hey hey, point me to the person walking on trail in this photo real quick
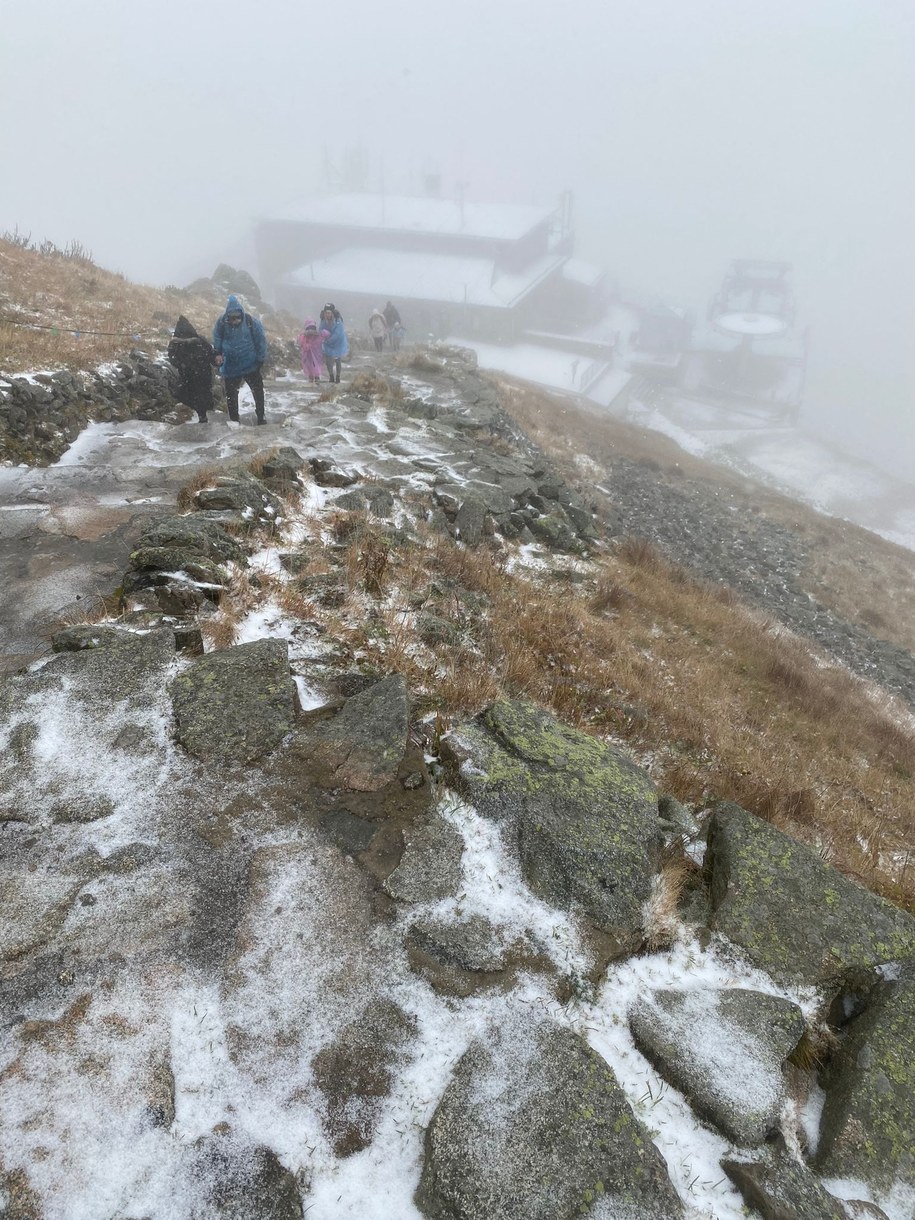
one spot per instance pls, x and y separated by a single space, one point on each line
391 317
378 329
336 344
241 349
310 345
194 358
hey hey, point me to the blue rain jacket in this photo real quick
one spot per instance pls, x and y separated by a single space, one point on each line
336 344
243 347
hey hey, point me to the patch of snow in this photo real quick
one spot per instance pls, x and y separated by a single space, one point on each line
492 886
529 555
309 696
810 1115
898 1203
267 561
267 622
660 423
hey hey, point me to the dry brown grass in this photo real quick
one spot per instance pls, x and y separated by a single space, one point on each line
865 579
640 553
65 290
725 704
608 597
372 385
206 476
239 598
260 460
419 360
817 1046
660 913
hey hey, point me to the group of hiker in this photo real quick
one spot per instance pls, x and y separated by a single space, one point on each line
325 340
239 350
386 324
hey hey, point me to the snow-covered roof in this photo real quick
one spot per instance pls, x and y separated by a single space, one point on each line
581 272
790 345
560 370
419 214
751 324
452 279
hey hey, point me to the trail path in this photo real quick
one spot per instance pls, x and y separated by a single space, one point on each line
66 530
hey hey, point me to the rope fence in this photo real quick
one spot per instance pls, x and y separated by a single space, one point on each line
78 332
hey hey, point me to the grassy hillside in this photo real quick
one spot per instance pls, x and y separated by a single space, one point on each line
48 294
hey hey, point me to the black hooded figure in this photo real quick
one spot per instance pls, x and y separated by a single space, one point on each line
193 357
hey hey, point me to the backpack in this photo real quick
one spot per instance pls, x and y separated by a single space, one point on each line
221 326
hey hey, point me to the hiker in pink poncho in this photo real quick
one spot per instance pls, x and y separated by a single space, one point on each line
310 342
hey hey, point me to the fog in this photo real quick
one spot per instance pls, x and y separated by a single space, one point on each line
691 132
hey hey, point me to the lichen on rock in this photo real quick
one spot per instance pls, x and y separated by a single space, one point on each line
794 915
236 705
586 815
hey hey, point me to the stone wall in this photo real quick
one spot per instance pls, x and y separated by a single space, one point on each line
42 414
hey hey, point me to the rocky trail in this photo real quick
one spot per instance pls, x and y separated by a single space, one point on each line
275 945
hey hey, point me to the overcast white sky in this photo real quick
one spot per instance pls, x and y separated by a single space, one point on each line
691 131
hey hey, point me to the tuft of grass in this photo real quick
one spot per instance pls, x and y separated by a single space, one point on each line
206 476
260 460
660 919
374 558
817 1046
418 359
345 525
640 553
373 386
241 595
609 596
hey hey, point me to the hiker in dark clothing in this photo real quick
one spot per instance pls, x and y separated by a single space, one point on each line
194 358
241 349
391 316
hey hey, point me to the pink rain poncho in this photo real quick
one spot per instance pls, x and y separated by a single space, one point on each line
310 341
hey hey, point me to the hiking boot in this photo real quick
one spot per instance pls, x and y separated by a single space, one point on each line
261 420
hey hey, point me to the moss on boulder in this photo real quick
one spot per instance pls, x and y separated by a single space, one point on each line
868 1124
586 815
241 493
430 868
780 1187
236 705
794 915
124 665
177 559
196 533
363 746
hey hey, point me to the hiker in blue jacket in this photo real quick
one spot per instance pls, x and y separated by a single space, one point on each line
336 344
241 349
